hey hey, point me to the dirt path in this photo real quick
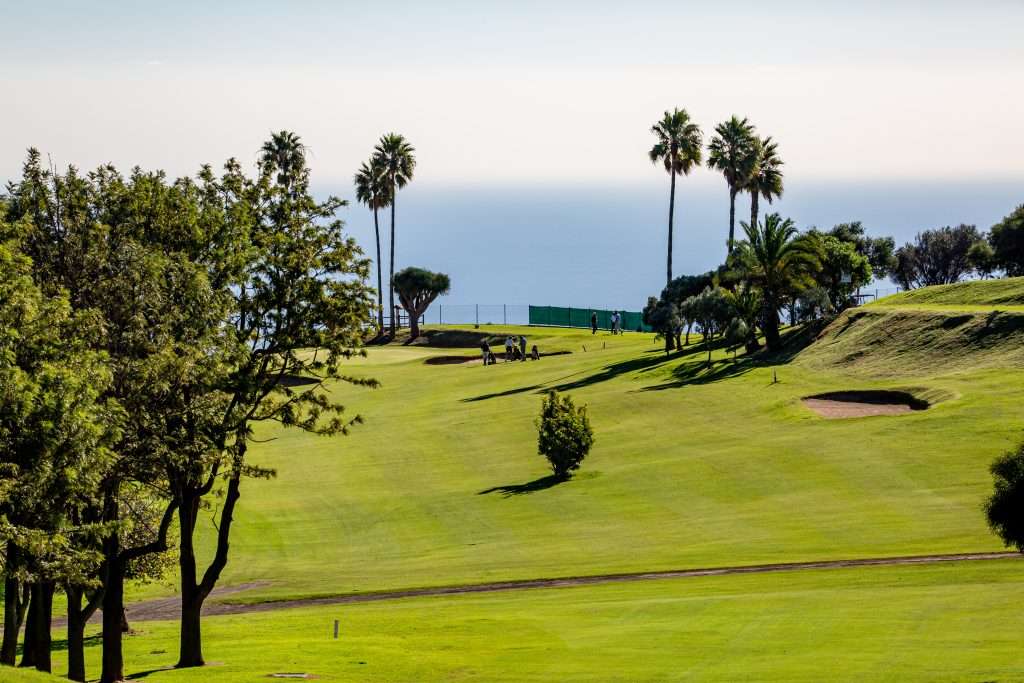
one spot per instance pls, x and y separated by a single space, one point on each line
167 608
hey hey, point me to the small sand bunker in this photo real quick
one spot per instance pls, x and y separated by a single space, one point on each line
839 404
452 360
478 358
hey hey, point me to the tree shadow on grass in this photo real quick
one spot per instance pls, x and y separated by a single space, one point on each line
150 672
62 645
529 487
698 371
499 394
649 361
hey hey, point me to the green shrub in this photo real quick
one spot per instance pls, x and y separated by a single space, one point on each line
1005 509
564 434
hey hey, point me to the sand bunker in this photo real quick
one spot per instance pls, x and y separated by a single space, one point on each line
839 404
478 359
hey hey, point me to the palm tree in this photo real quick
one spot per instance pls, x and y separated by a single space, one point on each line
778 260
766 180
394 155
679 149
285 152
373 189
734 152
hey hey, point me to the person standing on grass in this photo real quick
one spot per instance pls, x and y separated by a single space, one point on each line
593 322
485 348
522 348
509 345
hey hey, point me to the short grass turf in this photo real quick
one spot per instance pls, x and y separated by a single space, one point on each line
692 467
955 622
999 293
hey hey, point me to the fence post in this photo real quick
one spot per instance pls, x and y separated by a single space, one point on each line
440 314
504 313
478 315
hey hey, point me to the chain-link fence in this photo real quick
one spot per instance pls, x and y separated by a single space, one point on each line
521 314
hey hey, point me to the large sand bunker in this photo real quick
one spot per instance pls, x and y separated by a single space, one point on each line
839 404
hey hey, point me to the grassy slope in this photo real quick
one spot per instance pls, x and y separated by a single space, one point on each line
690 468
925 623
1003 293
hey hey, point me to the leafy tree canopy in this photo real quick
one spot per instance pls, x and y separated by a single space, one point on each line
417 288
1007 239
936 257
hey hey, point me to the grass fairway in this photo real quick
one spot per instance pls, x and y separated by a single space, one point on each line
691 467
956 622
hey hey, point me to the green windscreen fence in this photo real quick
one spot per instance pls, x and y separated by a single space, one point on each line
560 316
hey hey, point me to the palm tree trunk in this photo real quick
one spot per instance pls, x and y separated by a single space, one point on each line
753 209
771 324
732 217
380 281
391 280
671 212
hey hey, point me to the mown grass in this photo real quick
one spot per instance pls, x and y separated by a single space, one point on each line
692 467
957 622
983 293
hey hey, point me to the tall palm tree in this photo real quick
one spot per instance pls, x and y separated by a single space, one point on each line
778 260
285 152
679 149
374 190
766 181
395 157
734 152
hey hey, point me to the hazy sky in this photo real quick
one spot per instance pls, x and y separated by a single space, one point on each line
513 105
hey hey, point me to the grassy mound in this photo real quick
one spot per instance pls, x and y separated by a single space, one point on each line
899 341
989 293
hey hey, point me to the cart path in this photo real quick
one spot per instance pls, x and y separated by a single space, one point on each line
168 608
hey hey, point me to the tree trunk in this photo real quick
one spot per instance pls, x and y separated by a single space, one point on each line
732 218
414 324
29 645
15 602
76 634
391 280
753 209
671 213
78 617
36 650
771 327
380 280
669 345
193 594
190 642
113 598
688 328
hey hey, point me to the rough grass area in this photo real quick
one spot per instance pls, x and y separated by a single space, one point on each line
990 293
955 622
894 341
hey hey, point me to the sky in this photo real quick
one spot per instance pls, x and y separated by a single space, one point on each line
531 120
